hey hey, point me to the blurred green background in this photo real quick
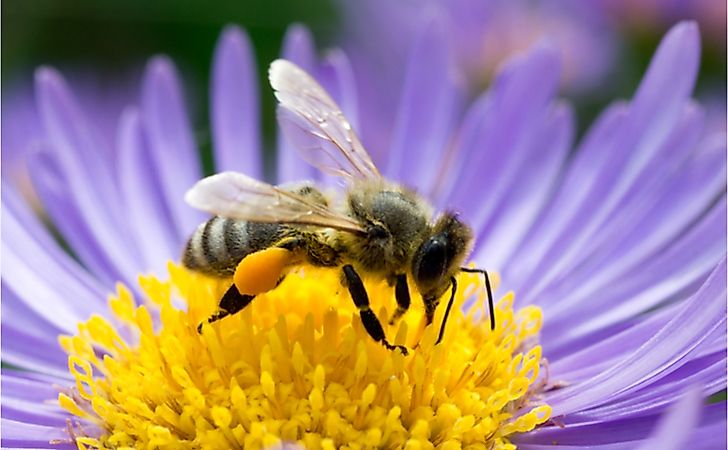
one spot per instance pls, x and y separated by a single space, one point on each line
110 41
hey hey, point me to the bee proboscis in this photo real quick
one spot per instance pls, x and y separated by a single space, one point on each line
382 229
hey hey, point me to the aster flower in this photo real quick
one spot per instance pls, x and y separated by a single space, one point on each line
611 261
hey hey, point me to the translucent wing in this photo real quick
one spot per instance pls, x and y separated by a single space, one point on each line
316 126
238 196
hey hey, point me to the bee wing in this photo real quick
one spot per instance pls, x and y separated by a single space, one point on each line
316 126
234 195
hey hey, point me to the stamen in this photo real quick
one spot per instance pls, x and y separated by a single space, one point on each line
297 365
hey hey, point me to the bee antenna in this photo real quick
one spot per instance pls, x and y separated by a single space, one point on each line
491 310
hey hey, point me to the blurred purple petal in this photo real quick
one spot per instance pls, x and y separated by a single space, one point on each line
170 142
32 353
673 430
235 105
337 75
521 98
148 211
657 106
16 434
426 112
77 145
298 47
80 217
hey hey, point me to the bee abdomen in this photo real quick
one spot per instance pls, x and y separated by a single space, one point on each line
218 245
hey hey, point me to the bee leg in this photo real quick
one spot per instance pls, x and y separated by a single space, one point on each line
454 288
488 289
368 318
401 293
232 302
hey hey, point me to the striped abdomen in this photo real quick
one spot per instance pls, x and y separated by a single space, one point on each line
218 245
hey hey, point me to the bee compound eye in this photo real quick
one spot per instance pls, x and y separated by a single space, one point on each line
431 264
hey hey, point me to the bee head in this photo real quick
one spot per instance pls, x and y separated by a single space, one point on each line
440 255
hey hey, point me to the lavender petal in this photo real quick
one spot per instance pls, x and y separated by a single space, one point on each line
656 221
171 142
653 115
529 188
678 270
426 112
585 170
148 214
298 47
79 148
235 105
90 233
521 97
699 316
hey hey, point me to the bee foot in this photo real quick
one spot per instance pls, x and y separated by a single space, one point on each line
391 347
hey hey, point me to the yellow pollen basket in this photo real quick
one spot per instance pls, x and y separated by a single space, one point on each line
296 365
260 271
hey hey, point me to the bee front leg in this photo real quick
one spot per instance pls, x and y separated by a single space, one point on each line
401 293
368 318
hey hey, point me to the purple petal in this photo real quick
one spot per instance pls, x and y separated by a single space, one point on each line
298 47
651 120
31 232
672 71
80 217
79 148
629 445
235 105
31 417
711 435
147 212
517 103
623 433
530 186
673 430
33 353
77 153
16 434
650 222
677 270
590 434
707 372
36 269
337 75
700 315
18 315
578 362
426 112
586 168
170 142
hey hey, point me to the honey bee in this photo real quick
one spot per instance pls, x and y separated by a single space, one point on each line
381 229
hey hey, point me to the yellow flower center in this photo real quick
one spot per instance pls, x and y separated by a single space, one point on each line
297 365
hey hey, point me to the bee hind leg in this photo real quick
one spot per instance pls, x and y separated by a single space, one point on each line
368 318
232 302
